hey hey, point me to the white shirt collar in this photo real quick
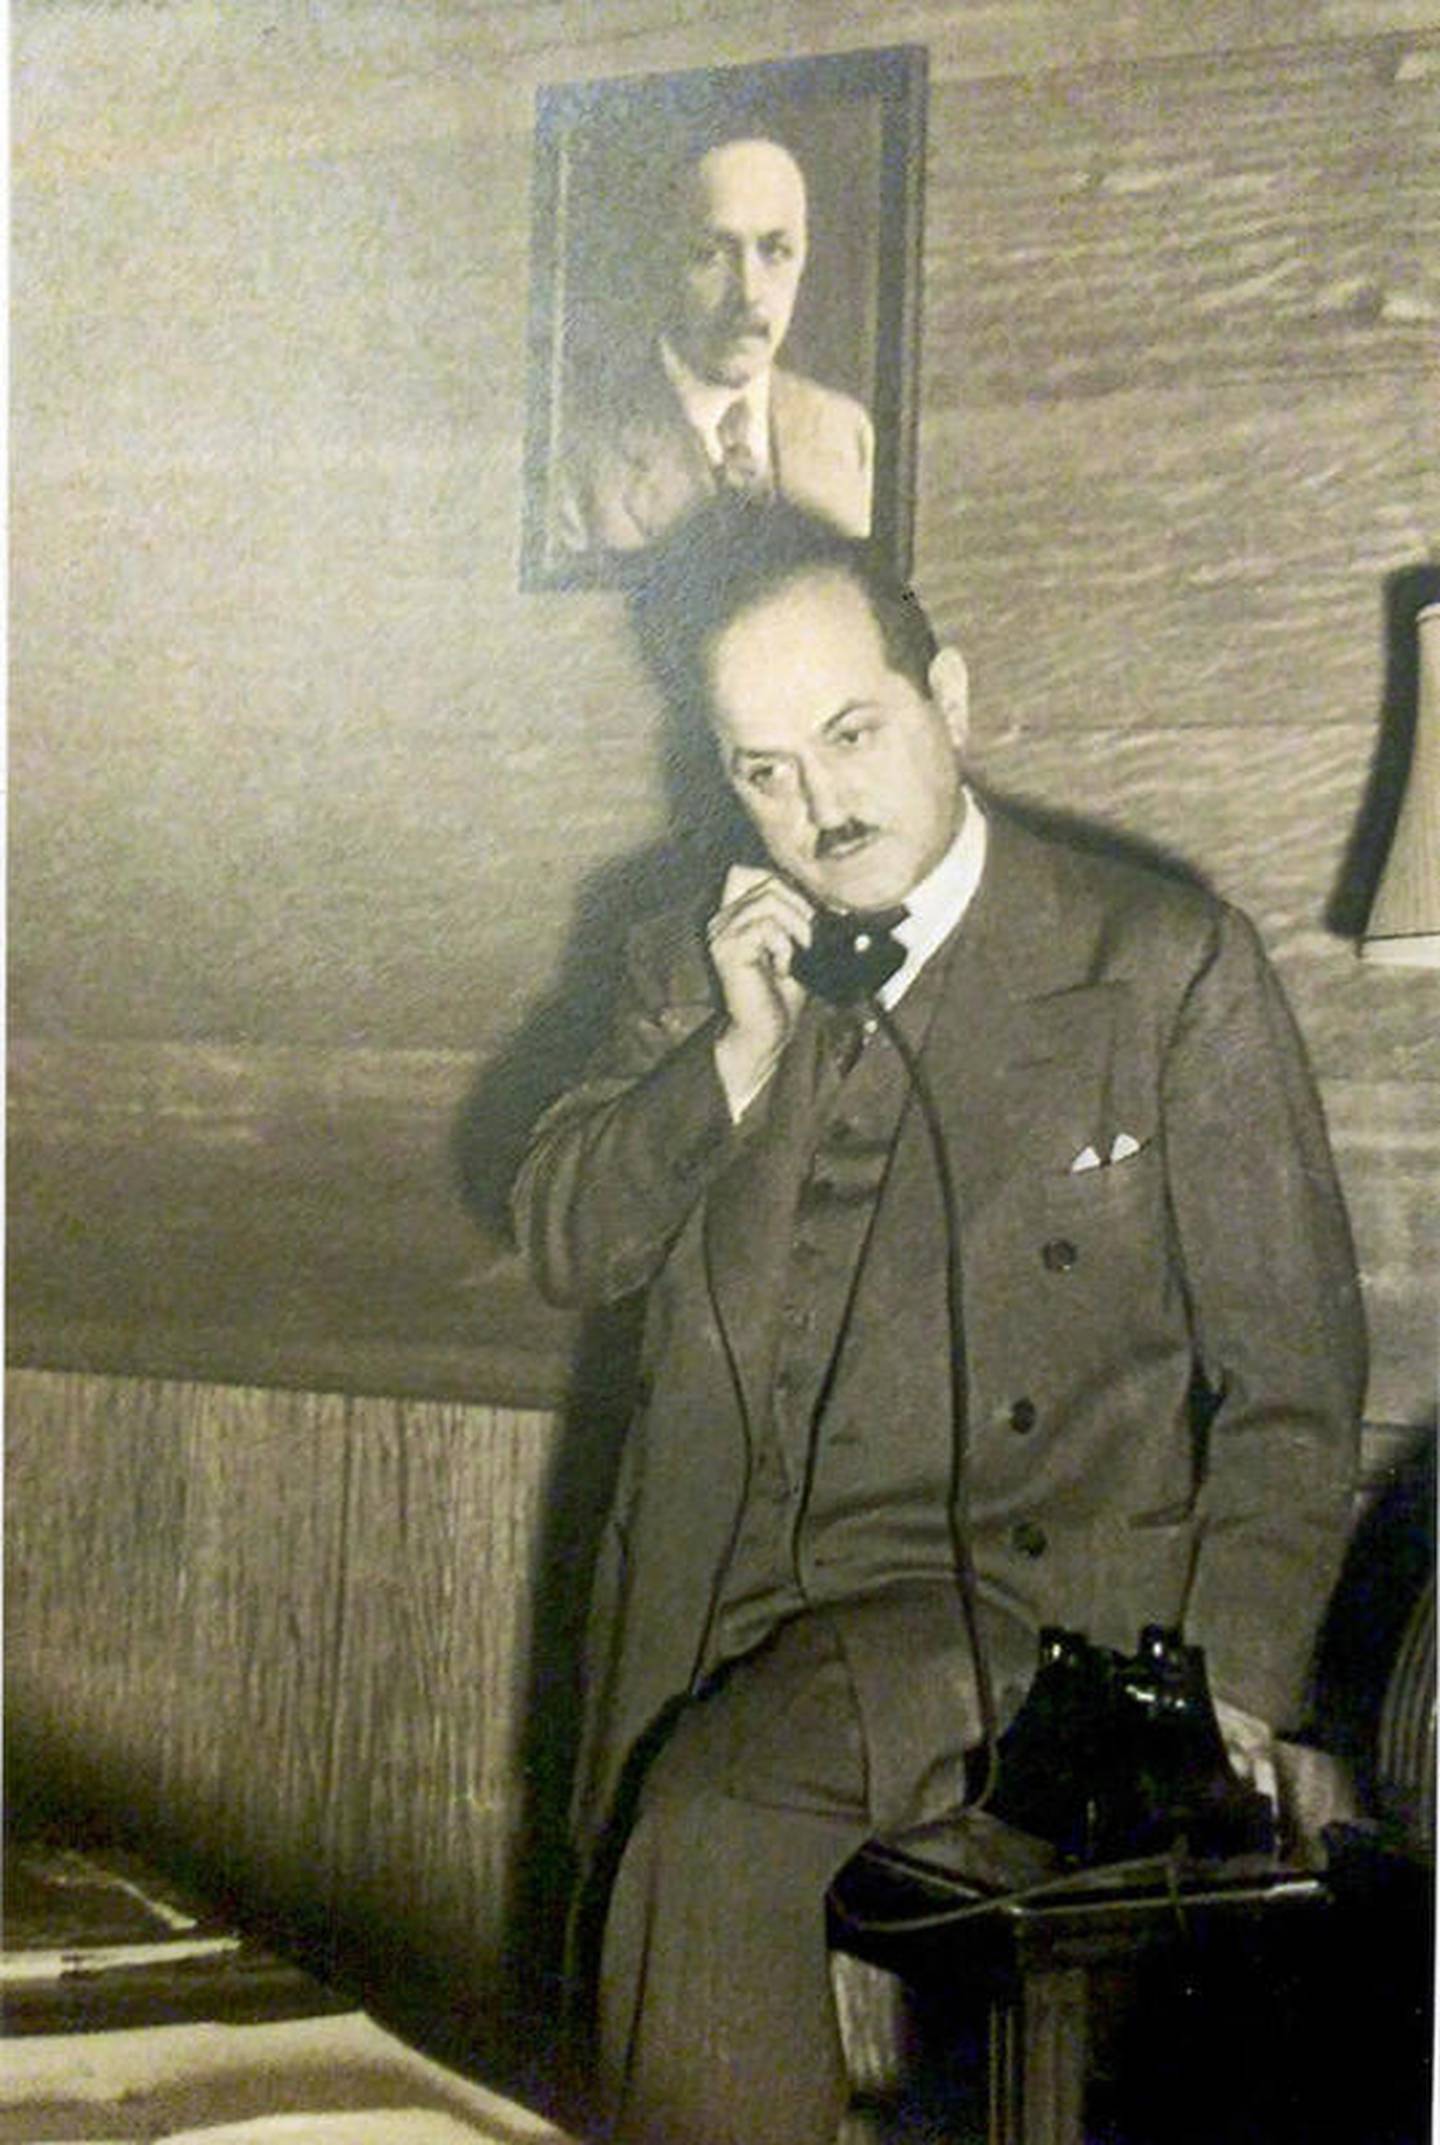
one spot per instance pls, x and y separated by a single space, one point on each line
941 899
934 909
705 403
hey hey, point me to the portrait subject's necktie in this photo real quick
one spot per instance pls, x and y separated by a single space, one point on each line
740 469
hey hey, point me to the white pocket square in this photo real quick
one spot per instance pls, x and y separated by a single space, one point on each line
1122 1147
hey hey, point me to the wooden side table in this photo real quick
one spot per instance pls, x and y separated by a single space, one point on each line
905 1906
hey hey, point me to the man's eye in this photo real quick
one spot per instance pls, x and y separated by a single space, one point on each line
854 734
776 249
760 774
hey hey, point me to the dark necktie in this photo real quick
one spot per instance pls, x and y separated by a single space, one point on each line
740 471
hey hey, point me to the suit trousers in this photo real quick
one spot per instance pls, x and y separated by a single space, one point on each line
716 2018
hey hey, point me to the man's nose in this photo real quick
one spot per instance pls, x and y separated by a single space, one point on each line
749 276
824 804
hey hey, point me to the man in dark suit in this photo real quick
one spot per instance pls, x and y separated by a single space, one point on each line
708 408
1160 1349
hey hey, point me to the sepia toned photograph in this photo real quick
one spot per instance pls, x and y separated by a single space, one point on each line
724 298
723 1133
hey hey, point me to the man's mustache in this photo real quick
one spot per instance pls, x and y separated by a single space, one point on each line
832 838
743 322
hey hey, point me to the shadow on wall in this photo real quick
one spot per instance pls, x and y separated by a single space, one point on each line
550 1051
1407 592
682 871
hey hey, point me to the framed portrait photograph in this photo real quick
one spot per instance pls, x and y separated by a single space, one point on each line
724 295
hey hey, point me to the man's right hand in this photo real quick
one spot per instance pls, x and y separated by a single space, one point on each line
752 936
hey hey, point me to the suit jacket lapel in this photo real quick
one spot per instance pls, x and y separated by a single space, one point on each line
667 473
1020 1044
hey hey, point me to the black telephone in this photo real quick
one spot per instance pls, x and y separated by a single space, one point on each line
849 957
1116 1755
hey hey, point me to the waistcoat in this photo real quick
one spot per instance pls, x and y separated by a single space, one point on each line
839 1510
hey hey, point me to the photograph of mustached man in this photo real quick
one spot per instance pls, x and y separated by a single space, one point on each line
690 386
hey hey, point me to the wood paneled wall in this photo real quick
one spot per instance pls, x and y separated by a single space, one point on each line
323 1647
295 762
324 1651
318 823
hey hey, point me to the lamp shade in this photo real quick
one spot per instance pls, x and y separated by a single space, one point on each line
1404 924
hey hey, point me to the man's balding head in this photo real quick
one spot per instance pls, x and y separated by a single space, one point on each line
735 556
741 238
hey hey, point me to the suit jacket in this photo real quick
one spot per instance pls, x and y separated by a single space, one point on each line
639 467
1092 999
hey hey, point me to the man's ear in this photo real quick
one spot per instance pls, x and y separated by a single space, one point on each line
950 690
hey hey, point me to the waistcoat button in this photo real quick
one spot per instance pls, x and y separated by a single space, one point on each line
1059 1255
1023 1416
1028 1538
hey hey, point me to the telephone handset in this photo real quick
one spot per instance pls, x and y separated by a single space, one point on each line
850 957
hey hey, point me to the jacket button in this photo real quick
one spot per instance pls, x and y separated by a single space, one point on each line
1023 1416
1028 1538
1059 1255
692 1160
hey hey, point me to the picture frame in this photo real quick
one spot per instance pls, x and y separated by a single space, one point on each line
606 436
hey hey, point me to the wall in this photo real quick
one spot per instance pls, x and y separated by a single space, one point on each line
311 806
292 1639
314 814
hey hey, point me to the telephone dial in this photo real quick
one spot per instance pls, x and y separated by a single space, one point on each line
851 956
